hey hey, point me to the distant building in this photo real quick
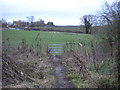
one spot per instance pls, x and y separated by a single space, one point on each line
20 24
16 23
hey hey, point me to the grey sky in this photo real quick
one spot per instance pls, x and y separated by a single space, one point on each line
61 12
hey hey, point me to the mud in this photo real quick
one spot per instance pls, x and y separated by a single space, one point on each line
61 78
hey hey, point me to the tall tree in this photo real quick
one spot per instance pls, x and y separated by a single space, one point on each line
88 20
4 22
50 24
30 19
41 21
111 13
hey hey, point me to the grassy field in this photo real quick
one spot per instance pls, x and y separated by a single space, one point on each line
15 37
82 78
74 29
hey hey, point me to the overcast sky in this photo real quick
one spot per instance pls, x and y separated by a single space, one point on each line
61 12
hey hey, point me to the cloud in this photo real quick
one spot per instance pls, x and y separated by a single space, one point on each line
55 10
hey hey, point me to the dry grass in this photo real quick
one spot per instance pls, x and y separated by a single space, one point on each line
22 68
94 69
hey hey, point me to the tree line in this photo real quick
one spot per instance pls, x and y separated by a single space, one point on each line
22 23
108 18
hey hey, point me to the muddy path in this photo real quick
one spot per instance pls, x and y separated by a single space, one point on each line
61 78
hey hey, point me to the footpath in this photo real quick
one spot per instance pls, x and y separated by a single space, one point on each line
61 78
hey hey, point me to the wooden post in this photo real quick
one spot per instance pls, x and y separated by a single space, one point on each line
40 45
64 48
47 49
73 45
67 46
70 46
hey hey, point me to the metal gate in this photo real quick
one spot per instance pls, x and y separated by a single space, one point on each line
55 49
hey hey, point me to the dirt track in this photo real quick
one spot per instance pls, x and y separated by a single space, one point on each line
61 78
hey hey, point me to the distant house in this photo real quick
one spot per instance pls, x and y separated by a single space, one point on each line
16 23
20 24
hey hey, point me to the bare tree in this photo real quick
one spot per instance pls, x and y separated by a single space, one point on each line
111 14
30 19
3 22
50 23
41 21
88 21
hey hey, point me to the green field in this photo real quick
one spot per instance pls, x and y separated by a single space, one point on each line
15 37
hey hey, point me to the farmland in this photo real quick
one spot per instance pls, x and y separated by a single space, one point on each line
52 49
87 66
15 37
